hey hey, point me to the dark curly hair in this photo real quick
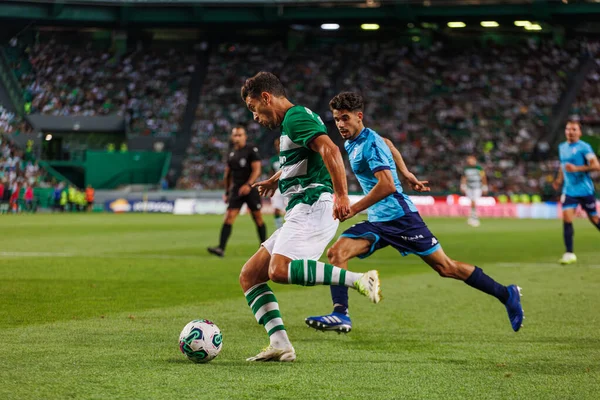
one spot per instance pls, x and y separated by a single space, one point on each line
350 101
262 82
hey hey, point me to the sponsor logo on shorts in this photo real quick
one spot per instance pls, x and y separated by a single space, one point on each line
412 238
434 241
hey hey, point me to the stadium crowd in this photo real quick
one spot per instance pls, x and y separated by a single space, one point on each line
306 78
147 87
438 105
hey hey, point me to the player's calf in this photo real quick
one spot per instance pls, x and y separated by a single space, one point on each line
448 268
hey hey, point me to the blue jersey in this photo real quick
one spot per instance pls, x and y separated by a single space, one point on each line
576 184
369 154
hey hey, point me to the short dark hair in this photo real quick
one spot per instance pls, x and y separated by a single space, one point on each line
262 82
350 101
240 125
574 121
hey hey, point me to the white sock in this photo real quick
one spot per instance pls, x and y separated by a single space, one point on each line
280 340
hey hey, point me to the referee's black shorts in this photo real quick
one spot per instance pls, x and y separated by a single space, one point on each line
252 200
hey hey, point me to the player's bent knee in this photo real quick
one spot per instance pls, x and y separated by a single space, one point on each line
333 255
278 273
248 277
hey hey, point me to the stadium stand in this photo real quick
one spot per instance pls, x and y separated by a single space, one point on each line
438 104
306 79
147 87
493 101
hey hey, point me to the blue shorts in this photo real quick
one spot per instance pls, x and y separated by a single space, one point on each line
407 234
588 203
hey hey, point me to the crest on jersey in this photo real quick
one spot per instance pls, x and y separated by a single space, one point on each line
242 162
355 153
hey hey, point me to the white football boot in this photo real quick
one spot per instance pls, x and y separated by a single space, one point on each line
368 285
568 258
287 354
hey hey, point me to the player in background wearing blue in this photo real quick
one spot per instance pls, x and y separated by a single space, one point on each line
393 220
577 160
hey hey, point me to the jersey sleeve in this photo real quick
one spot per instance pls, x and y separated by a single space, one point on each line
375 156
302 127
588 152
254 155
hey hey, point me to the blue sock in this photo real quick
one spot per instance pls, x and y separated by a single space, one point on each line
568 236
339 295
479 280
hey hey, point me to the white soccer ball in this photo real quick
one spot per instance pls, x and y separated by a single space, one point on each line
201 341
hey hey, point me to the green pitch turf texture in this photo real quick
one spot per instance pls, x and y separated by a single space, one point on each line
91 307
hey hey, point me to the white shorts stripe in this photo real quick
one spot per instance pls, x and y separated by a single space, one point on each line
265 309
261 295
320 272
273 323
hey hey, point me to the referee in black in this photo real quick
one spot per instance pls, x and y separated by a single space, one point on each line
242 170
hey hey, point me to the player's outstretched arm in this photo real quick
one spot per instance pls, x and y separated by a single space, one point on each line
268 187
382 189
415 184
332 157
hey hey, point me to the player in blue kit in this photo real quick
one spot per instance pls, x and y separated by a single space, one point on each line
393 220
577 160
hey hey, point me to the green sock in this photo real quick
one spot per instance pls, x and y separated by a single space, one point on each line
264 305
310 273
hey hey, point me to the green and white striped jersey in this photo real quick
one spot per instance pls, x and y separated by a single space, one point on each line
473 175
304 176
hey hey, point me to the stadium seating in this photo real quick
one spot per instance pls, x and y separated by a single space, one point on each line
438 105
149 88
306 79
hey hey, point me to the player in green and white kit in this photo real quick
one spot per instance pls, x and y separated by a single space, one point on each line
277 201
312 170
473 184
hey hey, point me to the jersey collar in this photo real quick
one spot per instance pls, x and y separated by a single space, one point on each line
363 132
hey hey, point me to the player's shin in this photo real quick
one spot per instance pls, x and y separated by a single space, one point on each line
310 273
262 232
339 295
225 233
264 305
480 281
568 233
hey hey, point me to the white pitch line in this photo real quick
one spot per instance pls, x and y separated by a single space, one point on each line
17 254
33 254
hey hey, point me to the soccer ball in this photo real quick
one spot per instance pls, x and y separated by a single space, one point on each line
201 341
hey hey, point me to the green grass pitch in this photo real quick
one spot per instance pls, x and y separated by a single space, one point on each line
91 307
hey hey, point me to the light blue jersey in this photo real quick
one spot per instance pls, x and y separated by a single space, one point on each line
369 154
576 184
